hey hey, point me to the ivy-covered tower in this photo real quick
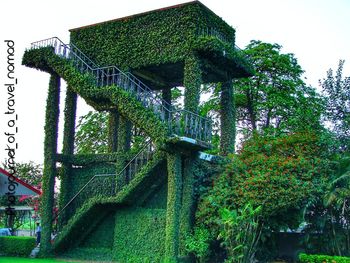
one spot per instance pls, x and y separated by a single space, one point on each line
135 201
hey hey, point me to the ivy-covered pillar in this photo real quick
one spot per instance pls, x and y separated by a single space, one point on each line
188 201
68 149
123 145
227 119
113 123
172 232
49 173
192 82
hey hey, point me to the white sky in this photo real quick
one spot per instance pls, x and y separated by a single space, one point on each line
316 31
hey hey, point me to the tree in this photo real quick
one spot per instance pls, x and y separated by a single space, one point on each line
275 100
30 172
337 200
92 133
276 96
280 174
336 89
329 213
275 172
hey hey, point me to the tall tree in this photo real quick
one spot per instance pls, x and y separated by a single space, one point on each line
92 133
337 92
276 96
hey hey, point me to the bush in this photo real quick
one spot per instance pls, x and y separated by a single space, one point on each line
198 242
240 232
323 259
16 246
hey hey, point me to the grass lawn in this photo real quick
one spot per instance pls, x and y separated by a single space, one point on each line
28 260
44 260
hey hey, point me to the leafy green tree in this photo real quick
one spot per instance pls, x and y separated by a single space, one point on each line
336 89
277 173
275 100
329 213
92 133
337 200
280 174
276 96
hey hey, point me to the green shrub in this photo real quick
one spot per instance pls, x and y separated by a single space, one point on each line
16 246
323 259
198 242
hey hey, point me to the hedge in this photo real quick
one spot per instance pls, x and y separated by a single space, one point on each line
16 246
139 235
323 259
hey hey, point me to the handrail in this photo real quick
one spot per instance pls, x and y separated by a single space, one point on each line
213 32
78 193
147 144
132 78
82 54
109 75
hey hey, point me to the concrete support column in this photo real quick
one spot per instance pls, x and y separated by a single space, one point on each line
192 82
123 145
188 201
172 232
113 123
50 151
227 119
68 149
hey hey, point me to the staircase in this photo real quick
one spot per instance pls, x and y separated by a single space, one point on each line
93 207
179 121
138 171
104 185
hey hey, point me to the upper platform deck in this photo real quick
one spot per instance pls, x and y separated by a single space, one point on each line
155 44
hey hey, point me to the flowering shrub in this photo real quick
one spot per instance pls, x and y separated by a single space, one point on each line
279 174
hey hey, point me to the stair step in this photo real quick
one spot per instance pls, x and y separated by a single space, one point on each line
35 252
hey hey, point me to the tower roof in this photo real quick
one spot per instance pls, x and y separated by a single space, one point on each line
22 188
144 13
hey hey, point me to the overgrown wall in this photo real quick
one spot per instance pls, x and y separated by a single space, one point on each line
153 38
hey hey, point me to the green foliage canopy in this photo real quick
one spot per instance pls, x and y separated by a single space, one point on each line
336 89
92 133
279 174
275 98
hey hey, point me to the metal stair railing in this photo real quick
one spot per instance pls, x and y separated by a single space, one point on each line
213 32
79 53
111 75
129 171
